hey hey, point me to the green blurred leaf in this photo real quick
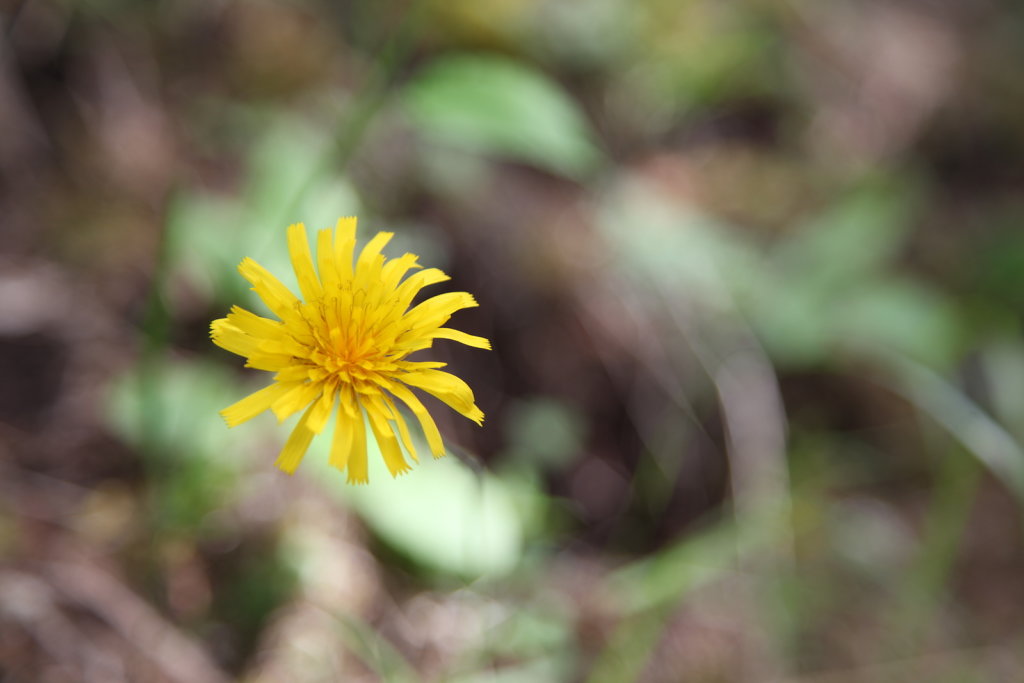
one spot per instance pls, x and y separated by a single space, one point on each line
289 182
495 106
534 632
289 173
442 515
852 238
196 226
898 315
169 412
824 289
182 412
792 317
286 181
677 250
802 322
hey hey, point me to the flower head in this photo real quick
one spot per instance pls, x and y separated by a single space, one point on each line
346 342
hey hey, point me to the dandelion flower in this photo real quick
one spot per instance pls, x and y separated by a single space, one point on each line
345 342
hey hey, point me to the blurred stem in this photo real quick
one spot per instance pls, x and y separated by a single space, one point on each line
156 325
755 424
990 446
631 647
950 506
153 443
367 104
756 435
963 419
649 591
373 648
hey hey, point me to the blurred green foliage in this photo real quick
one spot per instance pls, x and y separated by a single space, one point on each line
753 274
473 529
501 108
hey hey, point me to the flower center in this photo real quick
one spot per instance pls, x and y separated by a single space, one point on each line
354 332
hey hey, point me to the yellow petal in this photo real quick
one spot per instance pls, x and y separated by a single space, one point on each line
276 296
368 256
389 448
254 404
284 346
449 389
430 431
322 409
300 396
252 324
302 262
344 246
293 373
419 365
326 262
271 362
357 471
436 310
403 428
461 337
395 269
341 445
296 445
231 338
349 402
424 340
408 290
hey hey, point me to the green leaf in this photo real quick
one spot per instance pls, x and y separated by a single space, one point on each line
177 402
442 515
677 250
498 107
288 169
851 239
196 225
897 315
168 411
287 181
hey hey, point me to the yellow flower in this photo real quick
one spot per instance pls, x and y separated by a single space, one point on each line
346 341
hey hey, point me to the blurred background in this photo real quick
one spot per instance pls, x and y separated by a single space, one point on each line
753 273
